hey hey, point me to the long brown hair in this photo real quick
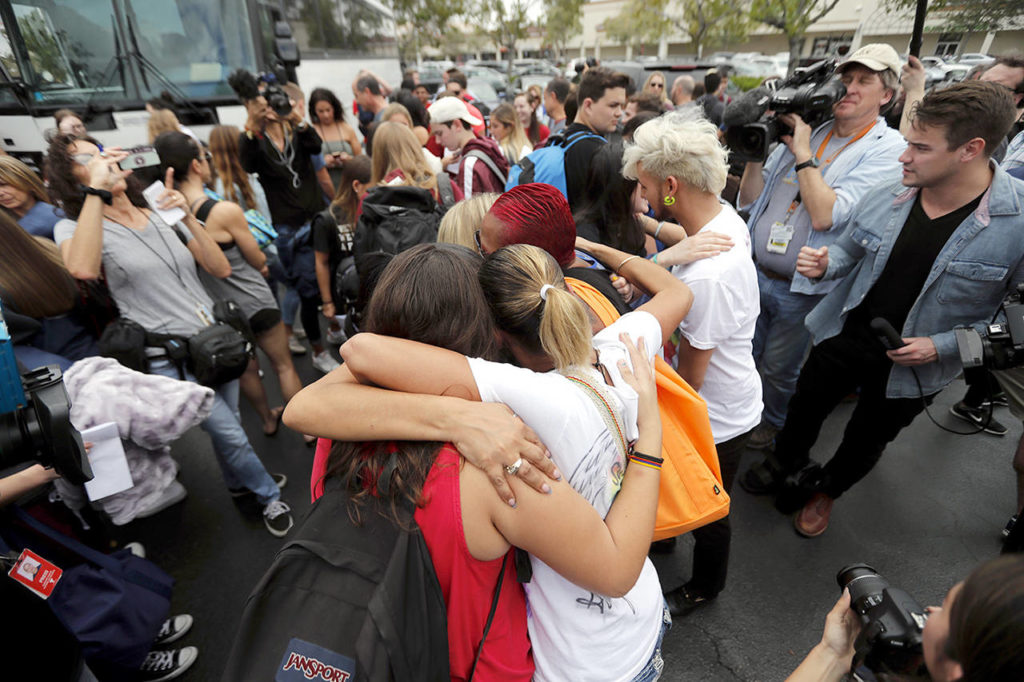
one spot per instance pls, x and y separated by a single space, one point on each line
427 294
227 167
33 279
16 174
162 121
346 201
395 147
512 145
986 622
64 186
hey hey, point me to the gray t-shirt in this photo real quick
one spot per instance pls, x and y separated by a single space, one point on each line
151 275
778 206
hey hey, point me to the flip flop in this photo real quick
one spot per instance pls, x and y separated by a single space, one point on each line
278 414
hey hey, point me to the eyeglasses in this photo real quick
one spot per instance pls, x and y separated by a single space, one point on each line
82 159
208 156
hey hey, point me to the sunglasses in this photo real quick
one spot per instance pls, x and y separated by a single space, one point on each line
479 246
82 159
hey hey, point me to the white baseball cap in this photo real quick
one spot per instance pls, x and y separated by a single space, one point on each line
877 57
449 109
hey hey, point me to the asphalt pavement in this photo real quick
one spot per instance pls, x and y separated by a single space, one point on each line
924 517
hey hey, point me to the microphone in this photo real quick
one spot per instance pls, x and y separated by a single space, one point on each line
748 108
886 334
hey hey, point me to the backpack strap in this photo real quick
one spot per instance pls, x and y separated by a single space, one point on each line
601 400
444 190
579 135
490 616
489 162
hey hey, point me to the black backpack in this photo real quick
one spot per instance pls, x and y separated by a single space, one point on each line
394 218
344 599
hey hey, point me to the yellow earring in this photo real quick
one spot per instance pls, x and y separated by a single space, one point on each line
669 201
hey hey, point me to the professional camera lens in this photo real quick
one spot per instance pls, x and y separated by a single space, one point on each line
865 585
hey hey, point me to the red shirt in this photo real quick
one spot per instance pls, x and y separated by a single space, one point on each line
467 584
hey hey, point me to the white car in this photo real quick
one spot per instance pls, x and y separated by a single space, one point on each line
974 58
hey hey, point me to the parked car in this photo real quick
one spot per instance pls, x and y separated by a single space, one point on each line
525 66
497 79
486 97
501 66
974 58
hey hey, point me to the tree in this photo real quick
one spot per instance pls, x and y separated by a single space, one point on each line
563 19
792 17
957 16
704 22
509 22
425 22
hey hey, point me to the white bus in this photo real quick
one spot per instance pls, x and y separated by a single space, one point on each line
104 58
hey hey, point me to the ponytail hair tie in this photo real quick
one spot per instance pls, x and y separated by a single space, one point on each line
544 292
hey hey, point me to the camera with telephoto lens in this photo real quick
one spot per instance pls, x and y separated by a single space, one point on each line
810 92
891 623
247 86
35 418
1001 345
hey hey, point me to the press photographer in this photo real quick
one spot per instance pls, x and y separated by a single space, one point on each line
975 635
805 196
938 251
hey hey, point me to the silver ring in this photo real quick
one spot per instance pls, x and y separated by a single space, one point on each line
513 469
103 155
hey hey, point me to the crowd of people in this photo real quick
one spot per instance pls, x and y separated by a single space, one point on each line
594 243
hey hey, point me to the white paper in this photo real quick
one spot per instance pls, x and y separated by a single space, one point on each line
152 193
109 464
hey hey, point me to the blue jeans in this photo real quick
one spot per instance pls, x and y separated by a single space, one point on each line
239 464
781 342
656 665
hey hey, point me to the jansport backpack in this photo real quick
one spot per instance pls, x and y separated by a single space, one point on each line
349 603
547 164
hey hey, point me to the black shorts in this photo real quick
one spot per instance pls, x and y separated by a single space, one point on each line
264 320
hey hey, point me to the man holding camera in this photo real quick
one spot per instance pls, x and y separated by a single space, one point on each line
805 195
939 251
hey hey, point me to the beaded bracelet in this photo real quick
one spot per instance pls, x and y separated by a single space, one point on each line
646 460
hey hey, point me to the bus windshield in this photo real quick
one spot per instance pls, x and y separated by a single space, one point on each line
82 51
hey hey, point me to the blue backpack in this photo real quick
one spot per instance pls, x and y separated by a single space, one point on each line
547 164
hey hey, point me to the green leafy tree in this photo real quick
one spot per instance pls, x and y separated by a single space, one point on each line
792 17
424 23
509 21
958 16
563 19
328 29
705 22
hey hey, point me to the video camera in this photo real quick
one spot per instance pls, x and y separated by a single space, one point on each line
35 419
247 86
1001 345
892 623
809 92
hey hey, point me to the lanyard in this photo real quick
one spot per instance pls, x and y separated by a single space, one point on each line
821 150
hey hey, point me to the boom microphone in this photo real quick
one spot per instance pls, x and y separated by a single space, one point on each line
747 109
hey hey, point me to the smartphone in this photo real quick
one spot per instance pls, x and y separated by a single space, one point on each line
151 194
140 157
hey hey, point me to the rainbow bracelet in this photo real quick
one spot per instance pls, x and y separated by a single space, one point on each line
646 460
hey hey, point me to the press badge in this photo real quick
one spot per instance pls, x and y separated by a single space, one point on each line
779 237
203 313
35 573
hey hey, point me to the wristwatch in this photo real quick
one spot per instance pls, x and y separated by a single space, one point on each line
809 163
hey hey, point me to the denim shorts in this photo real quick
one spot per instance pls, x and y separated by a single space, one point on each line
656 664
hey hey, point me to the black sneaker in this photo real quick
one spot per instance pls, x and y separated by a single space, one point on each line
280 479
166 665
682 601
761 479
980 417
999 400
277 517
173 629
1009 526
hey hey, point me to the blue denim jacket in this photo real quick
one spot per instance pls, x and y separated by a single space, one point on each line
981 262
872 159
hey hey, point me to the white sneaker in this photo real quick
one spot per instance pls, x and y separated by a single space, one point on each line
295 346
324 362
277 517
336 337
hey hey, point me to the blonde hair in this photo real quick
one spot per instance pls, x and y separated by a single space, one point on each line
682 145
162 121
514 142
393 109
395 147
19 176
32 275
463 219
226 166
555 323
663 95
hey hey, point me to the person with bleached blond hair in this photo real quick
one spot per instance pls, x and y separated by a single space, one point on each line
682 168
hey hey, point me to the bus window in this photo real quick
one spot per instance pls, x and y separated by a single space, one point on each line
8 64
342 28
46 51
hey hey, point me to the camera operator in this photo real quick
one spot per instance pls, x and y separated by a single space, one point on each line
805 195
975 634
939 252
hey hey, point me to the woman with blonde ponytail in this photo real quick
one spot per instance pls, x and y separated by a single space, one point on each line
584 411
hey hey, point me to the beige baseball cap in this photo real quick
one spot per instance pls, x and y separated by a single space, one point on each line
877 57
448 109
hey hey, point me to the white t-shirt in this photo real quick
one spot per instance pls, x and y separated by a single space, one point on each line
577 634
726 304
